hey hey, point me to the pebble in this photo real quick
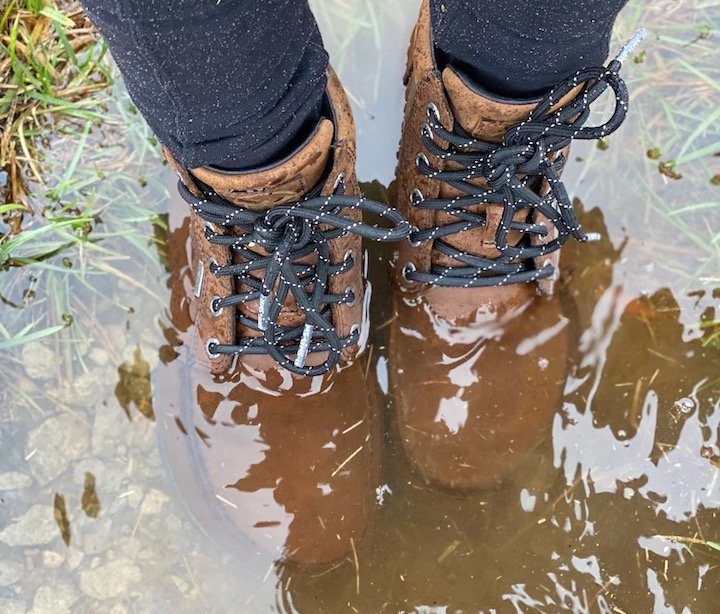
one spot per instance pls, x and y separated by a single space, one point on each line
14 480
55 599
94 536
74 558
153 502
110 428
53 445
12 607
38 360
52 559
86 388
10 572
99 356
111 579
35 528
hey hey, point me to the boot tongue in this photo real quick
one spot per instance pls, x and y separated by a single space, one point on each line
480 113
283 182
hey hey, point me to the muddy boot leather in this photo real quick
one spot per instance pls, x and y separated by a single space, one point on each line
268 461
476 372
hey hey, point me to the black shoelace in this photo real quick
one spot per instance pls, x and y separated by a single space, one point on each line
289 233
528 153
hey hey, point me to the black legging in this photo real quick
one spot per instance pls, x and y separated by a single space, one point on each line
236 83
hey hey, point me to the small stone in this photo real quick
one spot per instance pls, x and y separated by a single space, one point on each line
35 528
53 445
38 360
96 535
14 480
113 579
12 607
74 558
55 599
52 559
87 387
99 356
110 428
10 572
153 502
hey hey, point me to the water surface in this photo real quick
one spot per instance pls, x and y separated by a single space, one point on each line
614 506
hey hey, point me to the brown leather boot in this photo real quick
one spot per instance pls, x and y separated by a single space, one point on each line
479 342
277 453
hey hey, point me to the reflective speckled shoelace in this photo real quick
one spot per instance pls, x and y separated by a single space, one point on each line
529 152
289 233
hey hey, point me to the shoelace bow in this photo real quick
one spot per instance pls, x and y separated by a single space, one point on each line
527 150
289 233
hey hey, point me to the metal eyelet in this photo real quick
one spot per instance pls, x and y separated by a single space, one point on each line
210 228
426 131
354 330
215 311
433 112
421 158
416 196
208 348
408 268
213 265
414 243
349 290
349 255
340 179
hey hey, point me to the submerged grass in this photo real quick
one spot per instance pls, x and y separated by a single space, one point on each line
50 61
79 179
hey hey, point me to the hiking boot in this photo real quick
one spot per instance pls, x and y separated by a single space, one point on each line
268 429
479 342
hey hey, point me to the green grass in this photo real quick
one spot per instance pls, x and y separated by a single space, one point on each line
51 60
84 181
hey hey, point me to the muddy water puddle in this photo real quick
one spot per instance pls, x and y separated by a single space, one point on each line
607 500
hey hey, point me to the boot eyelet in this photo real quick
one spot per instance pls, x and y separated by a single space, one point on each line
433 112
213 266
426 131
421 159
349 256
215 311
354 330
349 290
408 268
414 243
339 180
210 228
416 196
211 343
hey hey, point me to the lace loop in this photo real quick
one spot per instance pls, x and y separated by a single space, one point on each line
288 234
530 152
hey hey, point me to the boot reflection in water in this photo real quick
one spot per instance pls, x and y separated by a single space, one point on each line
479 343
288 475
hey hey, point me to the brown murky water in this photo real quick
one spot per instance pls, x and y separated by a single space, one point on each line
609 501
